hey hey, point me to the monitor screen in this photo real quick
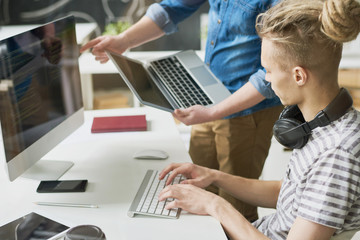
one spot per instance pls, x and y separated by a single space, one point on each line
40 91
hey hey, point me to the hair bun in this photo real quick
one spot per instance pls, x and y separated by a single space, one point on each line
341 19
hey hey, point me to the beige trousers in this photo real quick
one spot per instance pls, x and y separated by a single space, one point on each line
238 146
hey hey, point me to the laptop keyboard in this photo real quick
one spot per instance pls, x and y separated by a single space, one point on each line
146 200
180 83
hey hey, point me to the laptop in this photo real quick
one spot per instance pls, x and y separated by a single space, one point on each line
177 81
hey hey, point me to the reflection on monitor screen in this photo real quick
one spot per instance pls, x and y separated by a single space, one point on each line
40 97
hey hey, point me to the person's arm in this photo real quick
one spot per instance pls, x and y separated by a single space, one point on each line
160 19
305 229
252 93
253 191
199 201
234 223
143 31
237 227
247 96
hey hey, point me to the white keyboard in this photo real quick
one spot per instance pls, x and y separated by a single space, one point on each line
146 200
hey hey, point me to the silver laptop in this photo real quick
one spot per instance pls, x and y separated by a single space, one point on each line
177 81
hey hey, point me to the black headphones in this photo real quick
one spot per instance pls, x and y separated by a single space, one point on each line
292 131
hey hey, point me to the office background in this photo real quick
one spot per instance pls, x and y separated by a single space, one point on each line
102 12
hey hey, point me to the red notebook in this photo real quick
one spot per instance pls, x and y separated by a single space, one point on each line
119 124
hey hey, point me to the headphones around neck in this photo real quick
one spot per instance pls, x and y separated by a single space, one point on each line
292 131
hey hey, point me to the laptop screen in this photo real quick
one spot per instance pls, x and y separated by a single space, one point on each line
140 82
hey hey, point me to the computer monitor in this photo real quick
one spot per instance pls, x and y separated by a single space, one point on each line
40 98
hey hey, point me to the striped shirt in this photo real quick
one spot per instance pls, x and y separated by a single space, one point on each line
322 183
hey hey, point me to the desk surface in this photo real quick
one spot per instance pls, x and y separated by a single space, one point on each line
105 159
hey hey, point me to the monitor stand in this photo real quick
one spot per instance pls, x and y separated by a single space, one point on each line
47 170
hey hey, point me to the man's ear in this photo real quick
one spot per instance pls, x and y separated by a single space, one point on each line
300 75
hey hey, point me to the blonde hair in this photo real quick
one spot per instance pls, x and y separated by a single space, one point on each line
310 32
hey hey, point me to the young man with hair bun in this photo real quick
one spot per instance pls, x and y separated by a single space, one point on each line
319 195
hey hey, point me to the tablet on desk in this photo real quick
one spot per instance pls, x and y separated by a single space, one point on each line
32 226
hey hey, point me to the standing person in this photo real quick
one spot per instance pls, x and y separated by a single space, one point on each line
319 196
239 142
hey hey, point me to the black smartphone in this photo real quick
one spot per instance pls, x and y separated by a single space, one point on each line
58 186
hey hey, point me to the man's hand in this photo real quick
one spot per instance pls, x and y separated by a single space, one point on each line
195 174
194 115
190 198
117 44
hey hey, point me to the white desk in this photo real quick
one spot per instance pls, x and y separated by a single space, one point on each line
105 159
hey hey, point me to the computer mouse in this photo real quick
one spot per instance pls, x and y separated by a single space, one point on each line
151 154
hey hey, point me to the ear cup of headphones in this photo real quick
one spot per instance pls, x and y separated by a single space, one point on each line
288 132
292 131
292 112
